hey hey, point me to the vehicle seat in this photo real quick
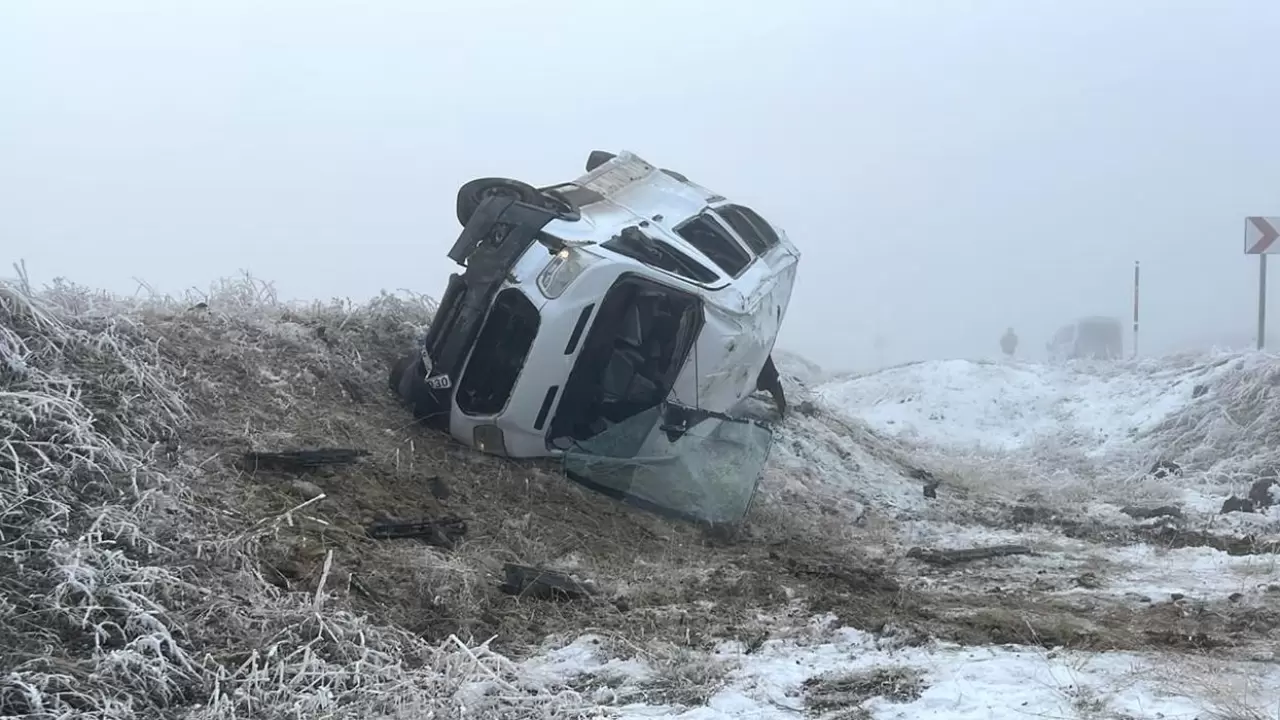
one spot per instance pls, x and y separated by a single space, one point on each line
632 331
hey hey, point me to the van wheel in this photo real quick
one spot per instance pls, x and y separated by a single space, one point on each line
401 378
472 194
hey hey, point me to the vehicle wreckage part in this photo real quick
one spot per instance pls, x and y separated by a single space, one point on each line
489 439
560 272
632 242
539 583
600 157
545 408
400 378
472 194
409 381
770 381
708 474
631 357
572 346
562 206
445 532
300 460
499 354
500 230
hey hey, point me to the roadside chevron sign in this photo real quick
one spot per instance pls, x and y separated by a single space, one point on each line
1260 235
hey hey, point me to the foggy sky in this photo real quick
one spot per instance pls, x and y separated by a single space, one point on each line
947 168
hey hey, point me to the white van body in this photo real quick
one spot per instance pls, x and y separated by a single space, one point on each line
649 288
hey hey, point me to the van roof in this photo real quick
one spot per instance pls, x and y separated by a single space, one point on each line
626 191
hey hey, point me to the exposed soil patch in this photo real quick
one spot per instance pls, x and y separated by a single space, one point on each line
845 692
1170 534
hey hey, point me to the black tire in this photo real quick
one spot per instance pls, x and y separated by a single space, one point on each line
401 378
598 158
475 192
561 206
428 408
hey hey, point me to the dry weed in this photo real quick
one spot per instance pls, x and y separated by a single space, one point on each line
685 678
119 598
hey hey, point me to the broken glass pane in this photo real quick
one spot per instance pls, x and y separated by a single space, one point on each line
708 473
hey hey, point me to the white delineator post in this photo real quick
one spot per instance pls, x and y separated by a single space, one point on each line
1262 301
1135 308
1260 237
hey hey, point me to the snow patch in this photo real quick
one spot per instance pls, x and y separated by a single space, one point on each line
1008 406
955 683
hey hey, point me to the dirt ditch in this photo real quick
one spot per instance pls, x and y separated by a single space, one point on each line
655 580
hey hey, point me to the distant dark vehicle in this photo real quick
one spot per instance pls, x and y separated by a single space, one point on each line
1097 338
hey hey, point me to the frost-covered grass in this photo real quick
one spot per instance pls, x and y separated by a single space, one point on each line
122 596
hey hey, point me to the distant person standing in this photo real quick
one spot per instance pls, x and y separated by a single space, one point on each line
1009 343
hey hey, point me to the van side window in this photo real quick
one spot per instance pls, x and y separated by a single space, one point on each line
636 245
753 229
705 234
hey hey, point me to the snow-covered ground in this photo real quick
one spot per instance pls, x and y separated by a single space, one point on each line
1008 406
1072 442
851 669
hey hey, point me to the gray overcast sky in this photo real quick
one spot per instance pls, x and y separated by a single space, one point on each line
947 168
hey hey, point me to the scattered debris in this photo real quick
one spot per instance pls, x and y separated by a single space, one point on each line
1259 498
529 581
444 533
953 557
1165 469
1236 504
1260 493
308 490
1174 538
437 487
1141 513
300 460
859 579
1031 514
808 408
1199 390
1089 581
931 482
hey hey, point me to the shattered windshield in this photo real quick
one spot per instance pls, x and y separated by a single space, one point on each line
707 473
